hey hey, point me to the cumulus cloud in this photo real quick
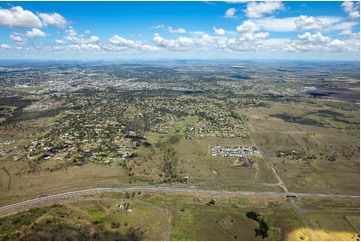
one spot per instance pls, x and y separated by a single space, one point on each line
73 37
247 27
118 43
303 23
248 37
197 42
349 33
53 19
18 38
314 38
35 33
352 9
117 40
259 9
219 31
176 31
230 13
71 31
310 23
5 47
317 42
17 17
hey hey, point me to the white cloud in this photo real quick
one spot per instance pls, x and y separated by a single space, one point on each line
160 26
249 37
35 33
314 38
53 19
118 40
59 41
118 43
303 23
5 47
277 24
236 44
343 25
258 9
18 38
87 32
219 31
310 23
93 39
17 17
247 27
348 33
308 42
352 9
71 31
176 31
90 47
149 48
74 38
197 42
230 13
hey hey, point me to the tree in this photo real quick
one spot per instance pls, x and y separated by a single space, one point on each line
135 233
253 215
263 229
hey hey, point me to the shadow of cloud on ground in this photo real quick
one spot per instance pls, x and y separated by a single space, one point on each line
298 120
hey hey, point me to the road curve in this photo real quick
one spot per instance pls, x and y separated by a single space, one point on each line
58 198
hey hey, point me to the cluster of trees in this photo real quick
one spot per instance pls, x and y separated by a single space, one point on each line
262 231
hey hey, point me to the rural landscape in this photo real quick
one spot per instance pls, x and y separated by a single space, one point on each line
201 121
182 159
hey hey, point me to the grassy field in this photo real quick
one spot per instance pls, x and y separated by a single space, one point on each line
86 220
334 226
328 139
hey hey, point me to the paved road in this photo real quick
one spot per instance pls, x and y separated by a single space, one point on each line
58 198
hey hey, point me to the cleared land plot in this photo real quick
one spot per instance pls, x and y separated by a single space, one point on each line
195 161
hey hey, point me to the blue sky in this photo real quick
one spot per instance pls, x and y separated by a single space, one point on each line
157 30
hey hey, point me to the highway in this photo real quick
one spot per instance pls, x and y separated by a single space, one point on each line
61 197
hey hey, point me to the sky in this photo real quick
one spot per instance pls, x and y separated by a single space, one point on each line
301 30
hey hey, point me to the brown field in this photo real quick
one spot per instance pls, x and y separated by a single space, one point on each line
337 133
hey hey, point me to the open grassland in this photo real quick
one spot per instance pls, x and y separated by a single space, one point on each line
157 216
325 139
